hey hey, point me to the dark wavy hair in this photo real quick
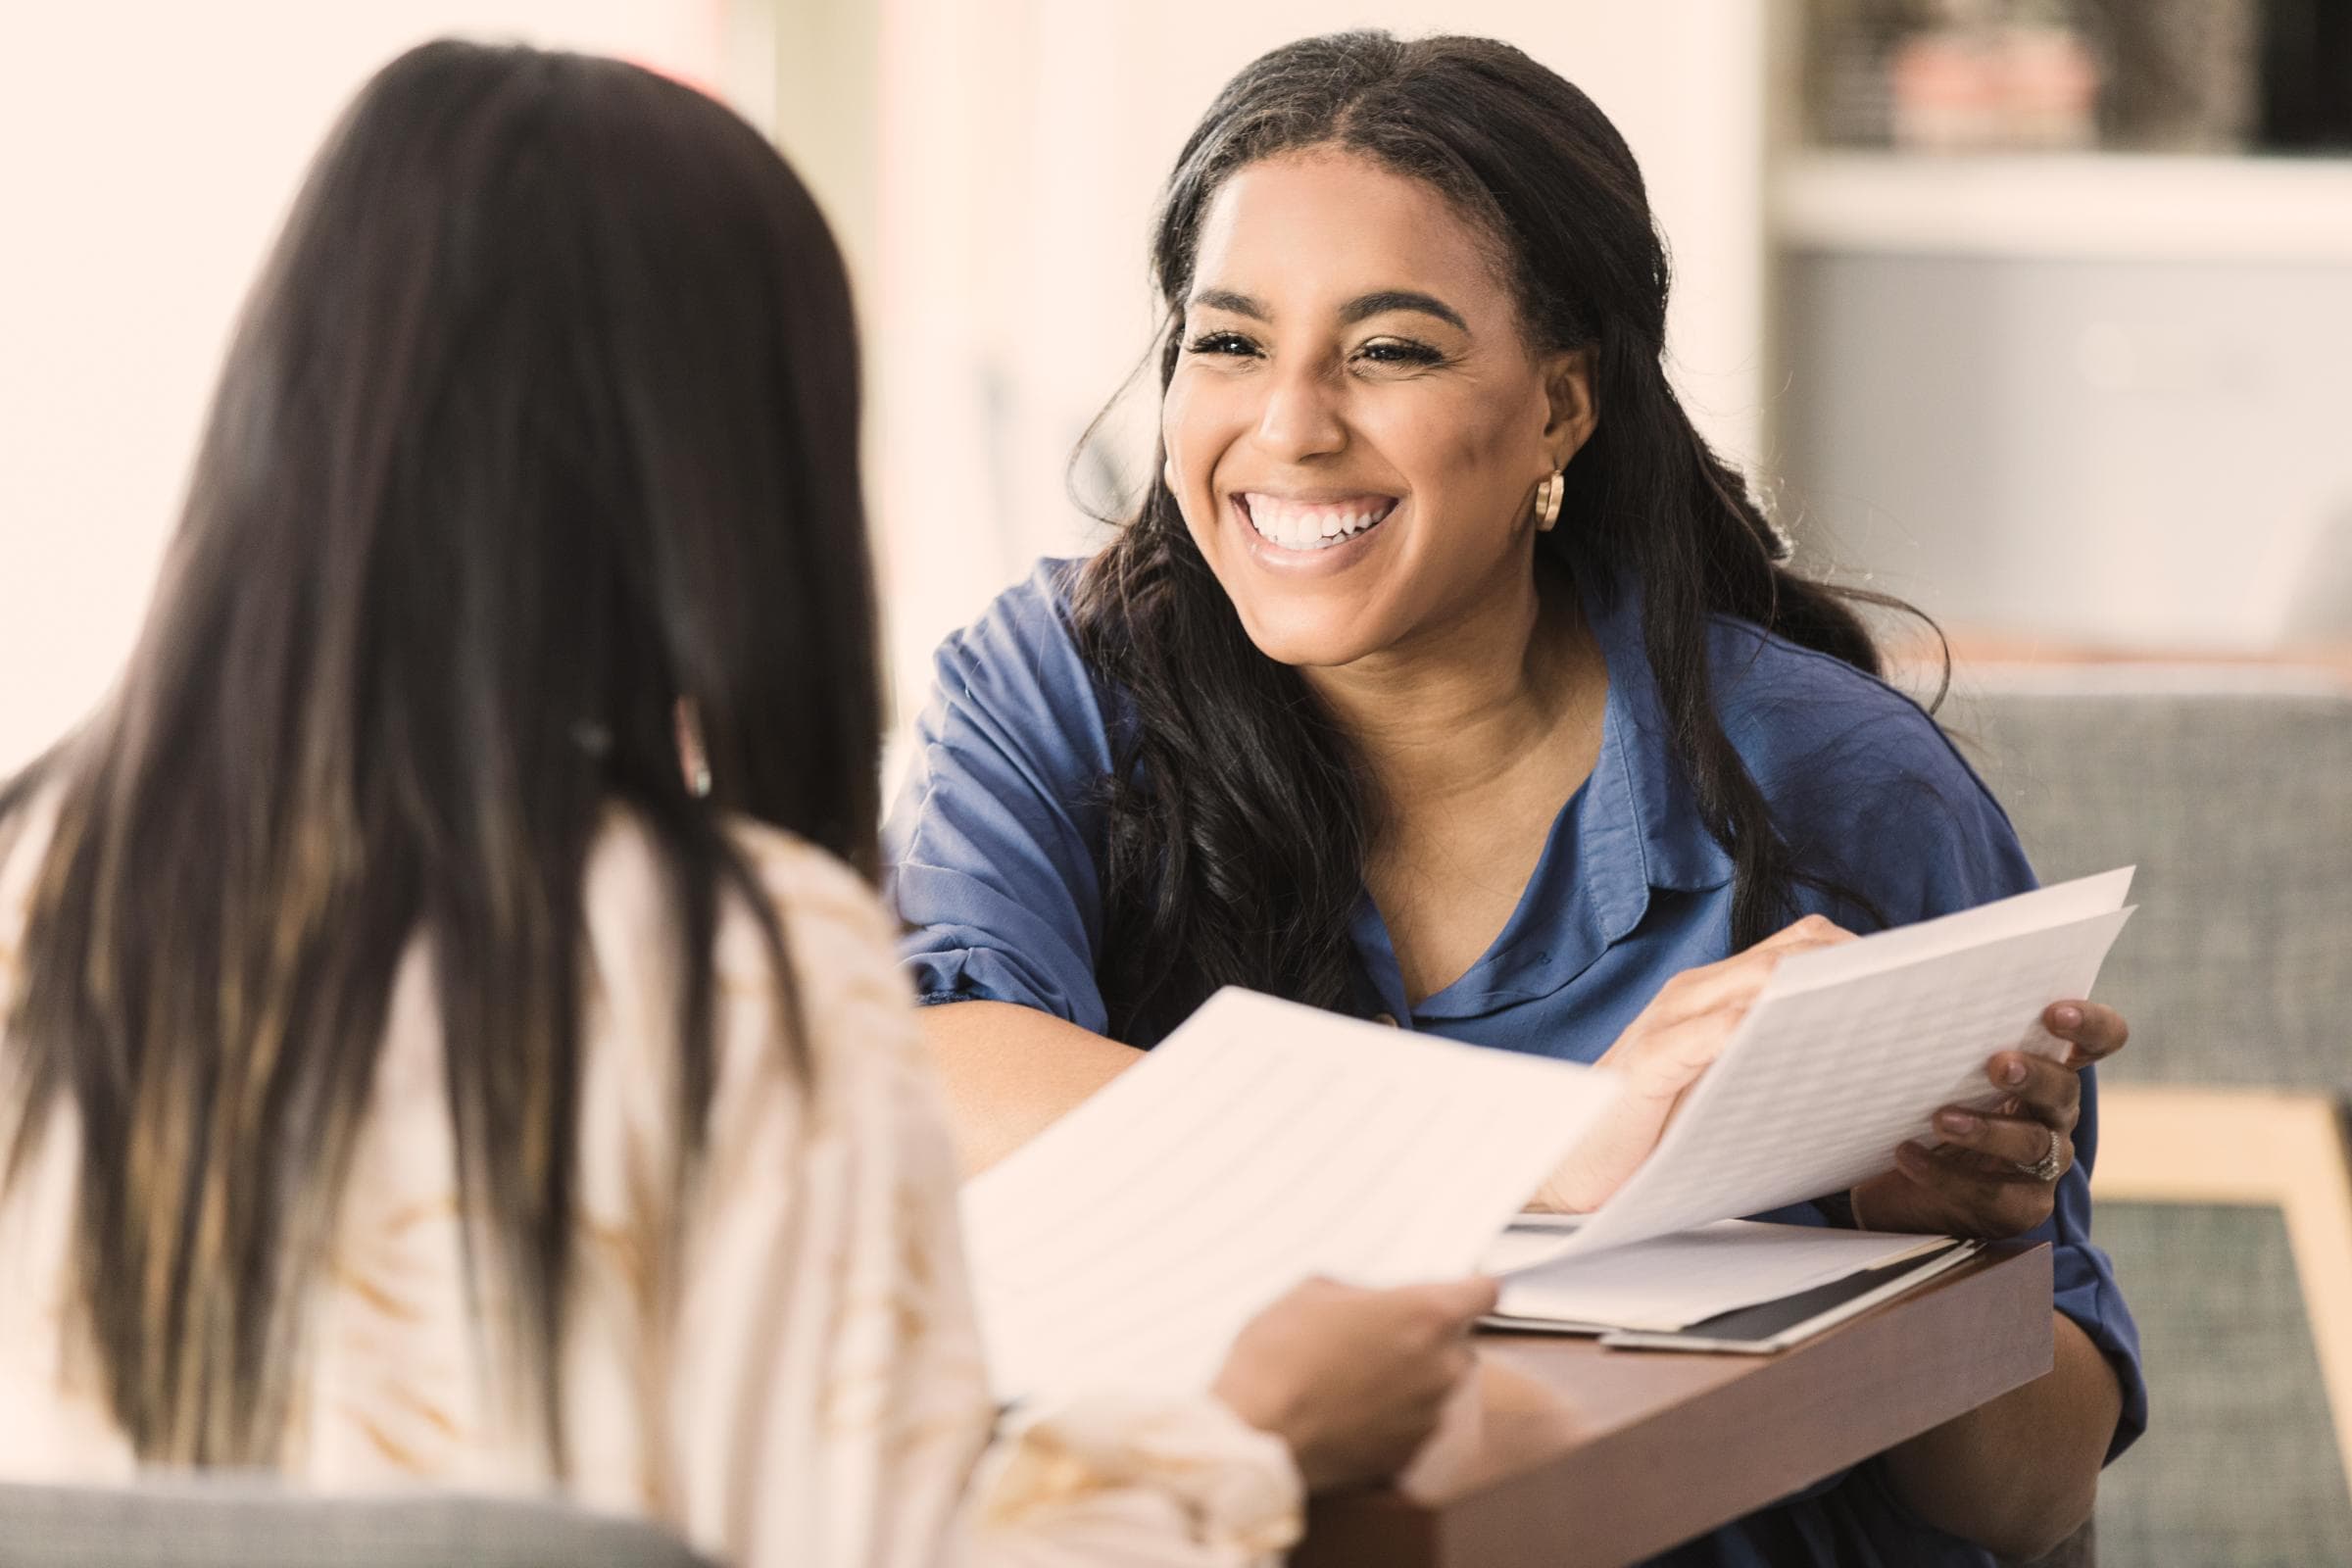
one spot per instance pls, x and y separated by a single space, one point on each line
541 417
1240 816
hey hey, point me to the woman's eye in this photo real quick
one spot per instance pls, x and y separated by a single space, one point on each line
1222 343
1398 351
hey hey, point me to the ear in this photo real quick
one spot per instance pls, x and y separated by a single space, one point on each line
1571 413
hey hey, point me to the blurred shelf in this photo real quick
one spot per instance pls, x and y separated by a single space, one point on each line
2064 205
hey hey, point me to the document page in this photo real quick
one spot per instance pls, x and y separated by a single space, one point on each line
1850 1050
1671 1281
1260 1144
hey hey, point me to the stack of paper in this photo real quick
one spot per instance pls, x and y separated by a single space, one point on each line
1671 1281
1263 1143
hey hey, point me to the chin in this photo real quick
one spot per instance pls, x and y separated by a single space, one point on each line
1308 634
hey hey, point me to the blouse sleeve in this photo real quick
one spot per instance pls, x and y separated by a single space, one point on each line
829 1404
990 847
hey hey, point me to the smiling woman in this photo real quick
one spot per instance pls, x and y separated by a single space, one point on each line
1361 454
1356 432
1445 676
1337 191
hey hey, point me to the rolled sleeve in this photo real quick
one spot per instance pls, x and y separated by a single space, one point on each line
2084 1280
1969 854
990 849
1903 819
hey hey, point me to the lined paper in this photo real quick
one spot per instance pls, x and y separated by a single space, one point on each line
1849 1051
1260 1144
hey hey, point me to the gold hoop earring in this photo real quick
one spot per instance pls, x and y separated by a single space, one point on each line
693 759
1548 496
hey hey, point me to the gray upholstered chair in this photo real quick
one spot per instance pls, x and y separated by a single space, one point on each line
203 1523
2224 1193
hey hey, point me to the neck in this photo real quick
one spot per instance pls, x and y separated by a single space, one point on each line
1441 719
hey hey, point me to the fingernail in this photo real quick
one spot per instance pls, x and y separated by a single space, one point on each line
2068 1016
2013 1072
1958 1121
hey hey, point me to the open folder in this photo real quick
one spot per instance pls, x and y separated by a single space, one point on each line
1735 1284
1262 1142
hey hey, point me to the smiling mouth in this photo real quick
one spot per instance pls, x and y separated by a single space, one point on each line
1316 525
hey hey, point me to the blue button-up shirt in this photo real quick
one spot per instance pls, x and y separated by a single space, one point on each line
993 849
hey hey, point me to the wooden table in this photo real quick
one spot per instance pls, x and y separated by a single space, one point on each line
1580 1458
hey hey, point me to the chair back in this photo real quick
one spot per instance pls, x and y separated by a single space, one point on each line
2230 788
203 1522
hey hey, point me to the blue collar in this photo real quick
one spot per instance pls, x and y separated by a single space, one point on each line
1630 828
1678 853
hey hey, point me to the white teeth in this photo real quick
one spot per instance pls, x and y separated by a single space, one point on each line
1294 527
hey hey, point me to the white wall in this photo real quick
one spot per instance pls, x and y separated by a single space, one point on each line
1023 145
148 149
992 163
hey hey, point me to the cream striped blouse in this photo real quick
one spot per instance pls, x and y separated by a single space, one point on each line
789 1373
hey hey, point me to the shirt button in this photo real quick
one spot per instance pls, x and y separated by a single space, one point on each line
1382 1017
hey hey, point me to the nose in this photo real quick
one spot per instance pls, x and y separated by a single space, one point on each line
1300 418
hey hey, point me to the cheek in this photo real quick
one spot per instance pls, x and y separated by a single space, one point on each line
1500 431
1204 413
1461 459
1187 418
1189 435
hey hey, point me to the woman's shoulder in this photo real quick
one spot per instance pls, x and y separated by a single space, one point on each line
837 937
1014 683
811 890
809 885
1864 780
1793 711
1032 616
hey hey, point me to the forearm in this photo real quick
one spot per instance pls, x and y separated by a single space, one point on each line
2019 1474
1011 1071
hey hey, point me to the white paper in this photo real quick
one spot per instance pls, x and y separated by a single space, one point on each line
1671 1281
1849 1051
2021 915
1260 1144
1951 1257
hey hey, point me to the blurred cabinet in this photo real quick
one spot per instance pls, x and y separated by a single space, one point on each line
2143 450
2100 397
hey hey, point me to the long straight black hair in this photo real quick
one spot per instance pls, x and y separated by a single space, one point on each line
1240 817
542 417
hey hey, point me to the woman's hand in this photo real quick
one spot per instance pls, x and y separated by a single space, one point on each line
1661 1054
1354 1379
1996 1173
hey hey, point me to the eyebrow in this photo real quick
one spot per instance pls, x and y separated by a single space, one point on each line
1360 309
1225 299
1366 306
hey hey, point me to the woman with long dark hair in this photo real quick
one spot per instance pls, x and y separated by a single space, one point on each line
449 1037
1445 676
